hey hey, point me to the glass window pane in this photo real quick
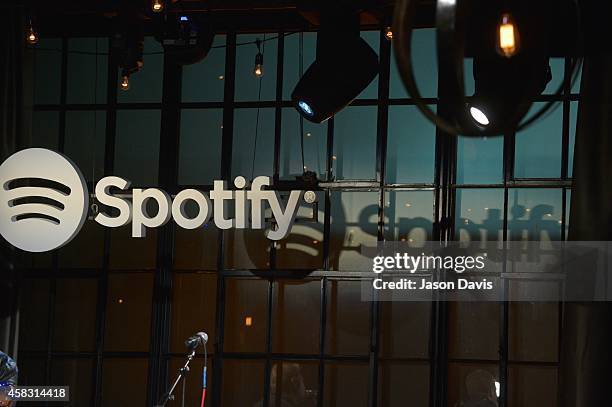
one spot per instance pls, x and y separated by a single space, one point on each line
294 384
75 314
243 383
247 84
479 215
246 315
473 330
128 312
315 147
572 137
193 387
373 40
253 155
480 160
411 146
33 315
296 331
533 331
124 247
346 384
85 142
425 65
90 240
116 373
137 146
247 249
404 329
45 129
532 386
348 319
196 249
303 247
355 143
409 216
399 382
291 56
205 81
354 222
146 85
557 67
47 71
78 375
86 76
194 298
538 148
472 384
534 214
200 146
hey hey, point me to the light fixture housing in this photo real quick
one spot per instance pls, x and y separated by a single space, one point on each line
344 66
187 39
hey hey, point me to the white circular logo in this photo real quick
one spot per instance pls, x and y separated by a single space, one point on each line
43 200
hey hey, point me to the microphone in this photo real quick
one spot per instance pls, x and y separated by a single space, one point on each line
196 340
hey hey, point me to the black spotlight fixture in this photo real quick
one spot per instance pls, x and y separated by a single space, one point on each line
511 49
344 66
186 39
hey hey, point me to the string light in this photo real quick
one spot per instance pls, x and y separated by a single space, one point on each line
507 36
157 6
125 83
388 33
32 37
258 70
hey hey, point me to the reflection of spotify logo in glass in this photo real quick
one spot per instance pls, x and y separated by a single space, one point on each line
43 200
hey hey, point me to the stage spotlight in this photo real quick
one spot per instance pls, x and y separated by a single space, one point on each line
187 39
480 116
344 66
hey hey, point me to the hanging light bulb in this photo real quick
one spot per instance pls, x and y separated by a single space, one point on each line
157 6
258 70
32 37
125 82
388 33
507 36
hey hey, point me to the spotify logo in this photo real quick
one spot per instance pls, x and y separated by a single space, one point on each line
43 200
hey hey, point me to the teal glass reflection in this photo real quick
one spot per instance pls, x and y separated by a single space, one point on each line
205 81
200 146
45 129
573 122
568 203
291 58
253 155
85 141
468 76
411 146
145 85
373 40
480 160
425 66
538 147
354 222
315 146
408 216
137 146
534 214
247 84
87 72
576 86
557 68
479 215
354 155
47 71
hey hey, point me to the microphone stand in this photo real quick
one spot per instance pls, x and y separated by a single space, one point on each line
182 373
